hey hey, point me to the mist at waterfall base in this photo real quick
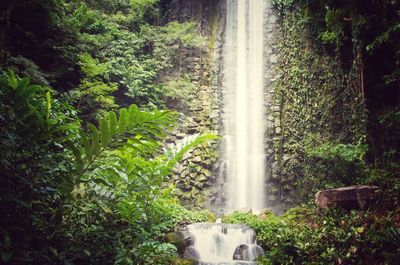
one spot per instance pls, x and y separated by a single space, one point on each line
243 110
243 149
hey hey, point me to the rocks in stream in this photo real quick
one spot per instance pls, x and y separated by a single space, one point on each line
352 197
191 253
181 239
248 252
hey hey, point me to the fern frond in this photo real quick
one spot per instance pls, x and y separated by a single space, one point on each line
175 154
95 141
86 145
104 132
12 79
123 116
112 117
139 129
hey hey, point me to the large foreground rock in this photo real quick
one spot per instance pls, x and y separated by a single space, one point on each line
353 197
180 239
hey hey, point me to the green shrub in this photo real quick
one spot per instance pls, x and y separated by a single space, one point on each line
300 236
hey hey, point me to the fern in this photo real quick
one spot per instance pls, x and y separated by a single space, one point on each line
176 153
392 234
123 114
133 126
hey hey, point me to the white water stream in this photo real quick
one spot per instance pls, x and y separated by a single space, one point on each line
243 120
243 117
217 243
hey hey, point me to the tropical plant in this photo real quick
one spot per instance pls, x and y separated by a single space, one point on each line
35 130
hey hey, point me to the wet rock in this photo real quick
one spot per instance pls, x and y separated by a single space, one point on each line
180 135
202 178
191 253
196 159
206 172
246 210
248 252
181 239
353 197
273 58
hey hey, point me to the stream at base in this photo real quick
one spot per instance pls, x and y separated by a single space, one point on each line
222 244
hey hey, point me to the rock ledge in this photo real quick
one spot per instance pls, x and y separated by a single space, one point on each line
352 197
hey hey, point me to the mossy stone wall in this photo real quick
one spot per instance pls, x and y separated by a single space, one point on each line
315 103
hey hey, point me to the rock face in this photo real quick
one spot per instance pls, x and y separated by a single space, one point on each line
353 197
195 175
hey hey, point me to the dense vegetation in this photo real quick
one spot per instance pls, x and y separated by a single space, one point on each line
338 90
85 88
82 178
300 236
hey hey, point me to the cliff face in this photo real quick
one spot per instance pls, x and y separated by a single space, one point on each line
197 175
309 102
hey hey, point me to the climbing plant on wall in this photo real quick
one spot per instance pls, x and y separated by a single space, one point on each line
320 105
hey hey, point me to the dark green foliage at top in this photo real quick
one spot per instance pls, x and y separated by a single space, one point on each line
105 53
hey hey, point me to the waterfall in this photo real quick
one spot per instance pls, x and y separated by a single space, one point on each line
243 110
223 244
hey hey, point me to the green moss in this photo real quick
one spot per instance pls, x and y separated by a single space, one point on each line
213 26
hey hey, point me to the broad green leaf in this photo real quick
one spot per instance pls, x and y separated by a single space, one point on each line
133 116
23 83
30 91
104 132
123 115
112 117
95 139
12 79
86 145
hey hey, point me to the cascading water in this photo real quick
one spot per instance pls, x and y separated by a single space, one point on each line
243 120
243 117
224 244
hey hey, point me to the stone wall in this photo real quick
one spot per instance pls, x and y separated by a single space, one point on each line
196 175
315 103
272 109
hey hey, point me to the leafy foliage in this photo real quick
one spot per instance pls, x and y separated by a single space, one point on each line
302 237
142 126
322 116
35 130
112 204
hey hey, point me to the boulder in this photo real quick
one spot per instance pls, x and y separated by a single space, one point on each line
181 239
248 252
191 253
353 197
